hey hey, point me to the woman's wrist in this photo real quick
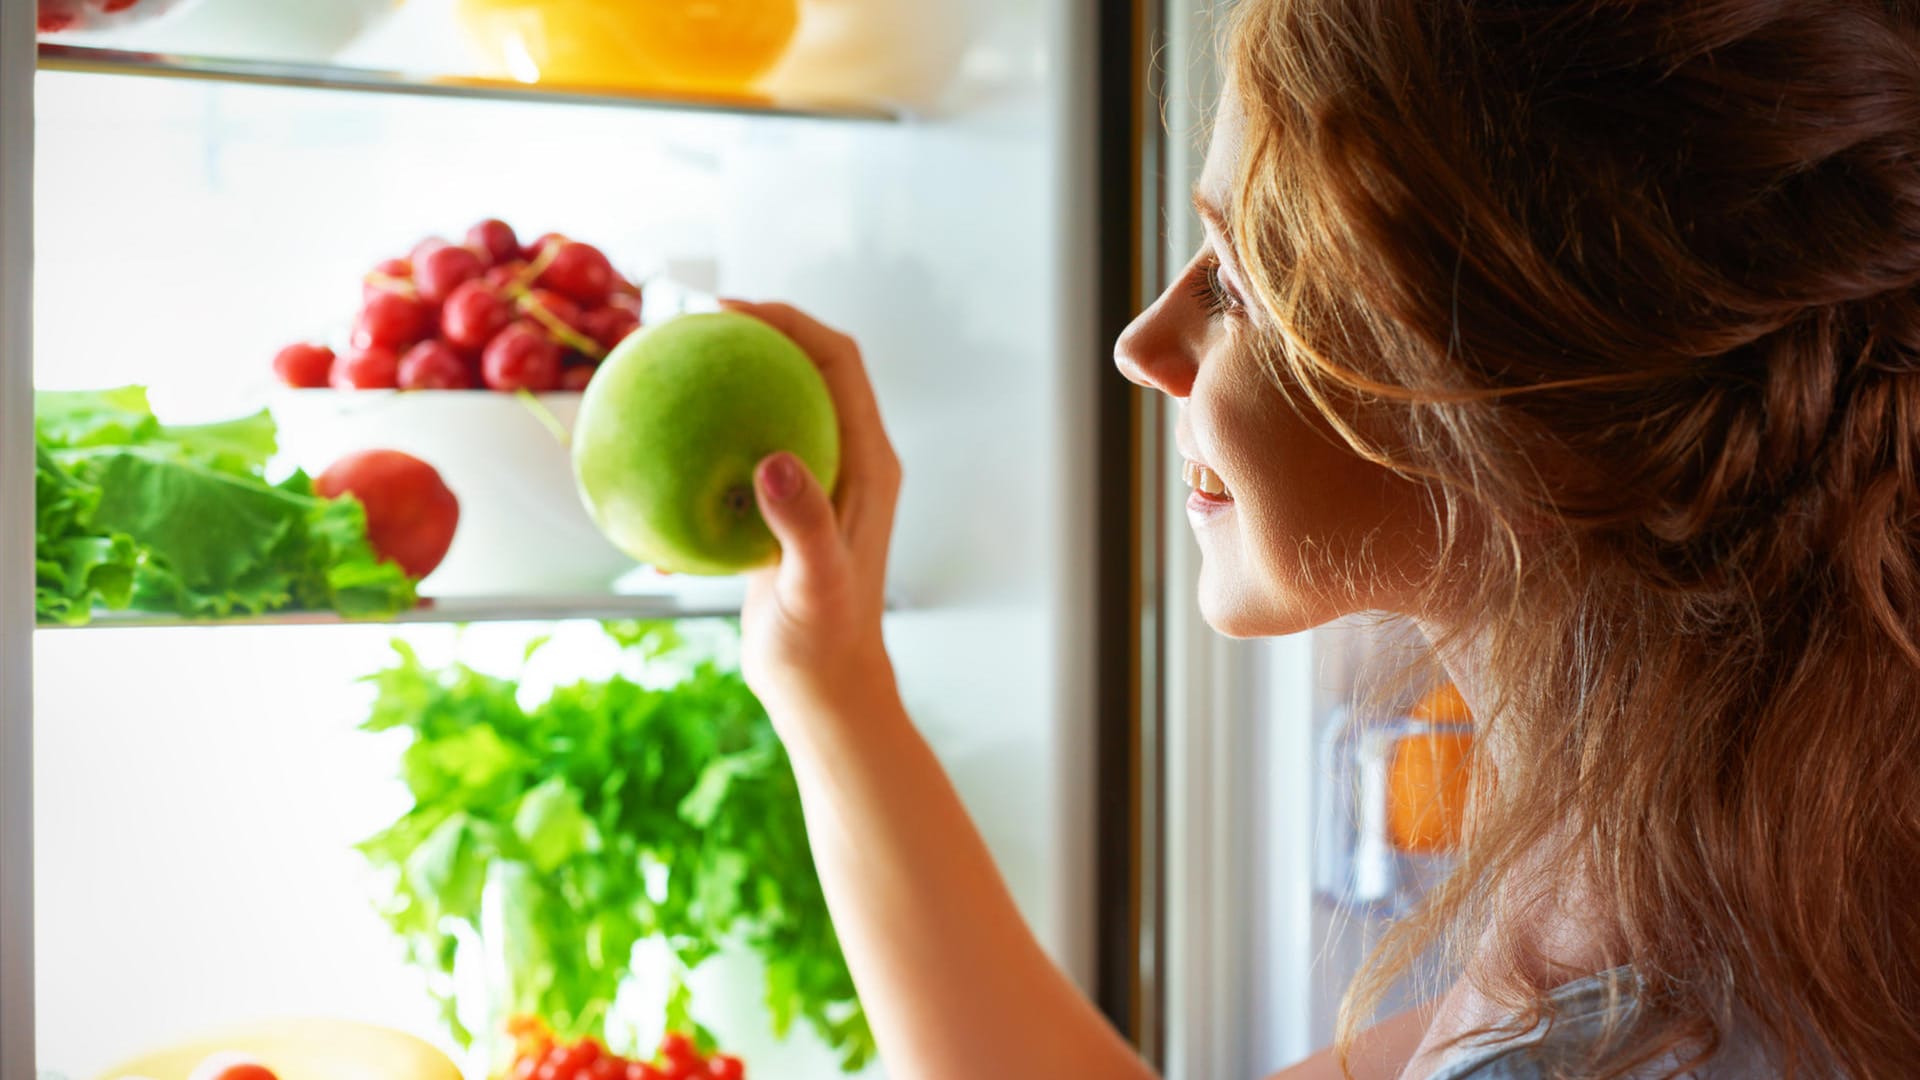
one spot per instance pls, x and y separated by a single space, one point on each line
831 711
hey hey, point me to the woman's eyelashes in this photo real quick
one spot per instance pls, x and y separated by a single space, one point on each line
1211 290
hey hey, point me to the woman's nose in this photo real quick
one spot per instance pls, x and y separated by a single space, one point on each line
1151 353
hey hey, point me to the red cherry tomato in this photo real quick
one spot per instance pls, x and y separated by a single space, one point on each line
677 1047
726 1067
302 365
640 1070
607 1068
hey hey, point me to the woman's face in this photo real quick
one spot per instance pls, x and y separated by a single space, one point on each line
1295 529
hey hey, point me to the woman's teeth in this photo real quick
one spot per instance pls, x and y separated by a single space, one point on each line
1205 480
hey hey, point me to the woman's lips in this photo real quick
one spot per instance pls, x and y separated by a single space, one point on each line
1210 495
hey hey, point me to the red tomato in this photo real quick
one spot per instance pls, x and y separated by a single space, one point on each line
640 1070
726 1067
411 515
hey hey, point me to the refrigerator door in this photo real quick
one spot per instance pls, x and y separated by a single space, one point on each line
1256 957
16 540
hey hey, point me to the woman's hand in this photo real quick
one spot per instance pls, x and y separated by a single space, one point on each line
811 625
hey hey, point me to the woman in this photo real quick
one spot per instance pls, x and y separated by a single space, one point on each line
1587 335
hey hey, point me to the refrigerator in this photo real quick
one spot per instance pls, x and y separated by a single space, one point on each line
981 192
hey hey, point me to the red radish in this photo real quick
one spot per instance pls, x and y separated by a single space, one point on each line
304 366
532 251
445 269
375 367
494 239
392 320
580 272
506 275
411 515
434 365
521 357
387 276
609 325
424 248
473 314
561 309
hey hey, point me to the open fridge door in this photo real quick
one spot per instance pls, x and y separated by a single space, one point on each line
1287 839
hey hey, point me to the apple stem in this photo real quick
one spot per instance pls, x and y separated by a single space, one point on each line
739 499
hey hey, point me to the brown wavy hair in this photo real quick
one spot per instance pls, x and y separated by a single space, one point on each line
1631 285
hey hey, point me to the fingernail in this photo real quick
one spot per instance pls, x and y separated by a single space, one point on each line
780 476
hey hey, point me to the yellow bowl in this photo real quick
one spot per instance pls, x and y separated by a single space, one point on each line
694 46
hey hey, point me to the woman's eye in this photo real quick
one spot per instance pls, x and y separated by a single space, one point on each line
1213 292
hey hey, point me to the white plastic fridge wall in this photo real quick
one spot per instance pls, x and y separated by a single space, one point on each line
197 790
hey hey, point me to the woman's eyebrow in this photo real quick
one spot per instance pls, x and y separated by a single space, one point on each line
1211 214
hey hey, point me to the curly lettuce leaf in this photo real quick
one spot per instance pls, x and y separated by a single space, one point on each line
180 518
75 566
217 544
121 418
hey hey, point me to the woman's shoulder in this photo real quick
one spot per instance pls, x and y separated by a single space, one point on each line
1584 1013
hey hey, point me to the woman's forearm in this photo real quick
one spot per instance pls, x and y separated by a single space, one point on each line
954 982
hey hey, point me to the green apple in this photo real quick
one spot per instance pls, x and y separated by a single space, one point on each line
672 426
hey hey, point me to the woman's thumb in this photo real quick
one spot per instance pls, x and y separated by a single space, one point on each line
799 513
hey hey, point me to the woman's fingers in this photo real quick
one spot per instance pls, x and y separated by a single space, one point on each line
869 469
802 519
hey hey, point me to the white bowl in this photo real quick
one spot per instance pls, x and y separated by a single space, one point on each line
522 527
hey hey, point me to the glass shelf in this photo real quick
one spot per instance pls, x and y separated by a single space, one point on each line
87 59
720 597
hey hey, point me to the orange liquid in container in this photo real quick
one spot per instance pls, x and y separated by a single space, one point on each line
1428 777
695 46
